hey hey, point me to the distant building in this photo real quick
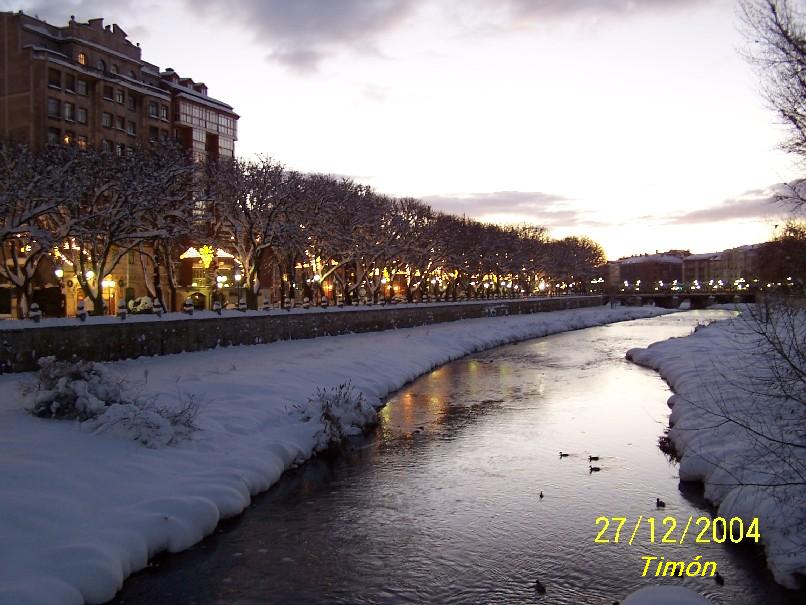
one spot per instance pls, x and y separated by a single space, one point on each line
702 267
650 269
86 84
741 262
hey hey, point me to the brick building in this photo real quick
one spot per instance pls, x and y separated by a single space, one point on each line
649 269
86 84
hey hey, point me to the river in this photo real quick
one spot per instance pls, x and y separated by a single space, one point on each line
441 503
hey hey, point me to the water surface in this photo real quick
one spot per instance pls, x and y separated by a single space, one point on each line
441 503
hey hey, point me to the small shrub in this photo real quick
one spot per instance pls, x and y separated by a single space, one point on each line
90 393
342 411
72 390
148 423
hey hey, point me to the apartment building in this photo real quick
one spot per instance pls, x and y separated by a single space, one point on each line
87 84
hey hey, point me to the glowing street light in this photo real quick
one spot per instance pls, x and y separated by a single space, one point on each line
89 274
108 283
59 272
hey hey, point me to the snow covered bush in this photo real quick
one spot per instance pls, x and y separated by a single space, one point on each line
342 411
72 390
146 422
141 304
104 402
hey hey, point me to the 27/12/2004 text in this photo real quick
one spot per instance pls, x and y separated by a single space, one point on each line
668 531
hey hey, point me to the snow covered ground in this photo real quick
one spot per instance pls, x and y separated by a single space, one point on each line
665 595
745 443
80 511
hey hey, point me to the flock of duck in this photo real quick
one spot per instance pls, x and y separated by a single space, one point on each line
593 469
540 587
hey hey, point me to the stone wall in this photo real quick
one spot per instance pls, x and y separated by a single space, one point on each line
20 348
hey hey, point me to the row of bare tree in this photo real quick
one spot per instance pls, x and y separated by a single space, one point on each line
88 209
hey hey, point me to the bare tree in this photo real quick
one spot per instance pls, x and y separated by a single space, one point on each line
31 191
776 35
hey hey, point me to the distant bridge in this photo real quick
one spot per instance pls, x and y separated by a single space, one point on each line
697 300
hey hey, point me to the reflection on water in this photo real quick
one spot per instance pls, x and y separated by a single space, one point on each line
441 504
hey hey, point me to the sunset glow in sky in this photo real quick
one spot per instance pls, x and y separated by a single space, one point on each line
635 122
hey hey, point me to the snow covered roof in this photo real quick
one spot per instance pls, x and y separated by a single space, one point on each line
652 258
704 256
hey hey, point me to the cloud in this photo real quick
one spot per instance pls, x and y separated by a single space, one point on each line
58 13
300 34
550 9
753 204
546 209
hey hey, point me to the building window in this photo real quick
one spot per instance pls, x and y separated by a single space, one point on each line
153 133
108 93
70 82
163 112
81 87
54 78
119 148
165 135
120 123
133 75
69 112
54 134
153 109
82 58
69 137
131 103
81 116
131 128
115 68
106 120
106 145
100 65
54 107
226 147
81 141
119 96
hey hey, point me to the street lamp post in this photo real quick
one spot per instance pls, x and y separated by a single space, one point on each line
108 284
238 277
221 281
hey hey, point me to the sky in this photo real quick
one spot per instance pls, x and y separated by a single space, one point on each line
634 122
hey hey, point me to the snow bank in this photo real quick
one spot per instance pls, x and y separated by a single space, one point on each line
80 511
665 595
735 434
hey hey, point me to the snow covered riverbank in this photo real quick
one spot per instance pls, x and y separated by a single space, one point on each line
738 423
79 511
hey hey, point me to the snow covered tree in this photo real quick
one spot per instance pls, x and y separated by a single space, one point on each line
168 214
574 259
258 205
339 214
31 190
25 199
102 216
